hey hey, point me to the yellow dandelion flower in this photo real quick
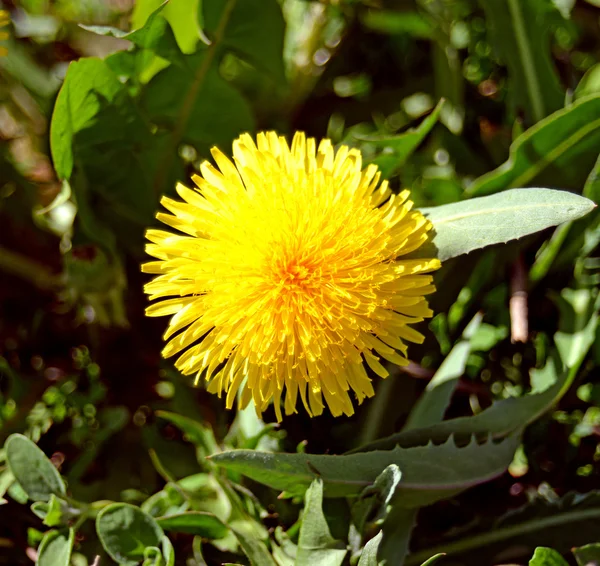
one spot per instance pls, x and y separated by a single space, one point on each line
4 21
290 275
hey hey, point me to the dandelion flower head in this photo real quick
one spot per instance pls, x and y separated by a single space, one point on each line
286 277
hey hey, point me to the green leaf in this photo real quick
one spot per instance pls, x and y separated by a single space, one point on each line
558 151
55 548
372 506
398 148
32 469
432 405
315 544
429 473
56 512
547 557
254 29
181 15
396 530
591 189
571 520
587 555
198 523
156 35
165 100
368 556
254 549
521 35
462 227
96 124
503 417
125 531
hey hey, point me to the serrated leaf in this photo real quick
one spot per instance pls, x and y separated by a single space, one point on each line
501 419
254 29
32 469
315 543
558 151
55 548
368 556
432 405
156 35
587 555
520 32
429 472
198 523
462 227
398 148
547 557
125 532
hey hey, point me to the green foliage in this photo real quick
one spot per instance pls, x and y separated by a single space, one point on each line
127 533
506 216
32 469
547 557
429 472
470 104
315 543
559 150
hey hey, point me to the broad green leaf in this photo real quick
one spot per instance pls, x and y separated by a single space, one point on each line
462 227
166 98
32 469
571 520
125 531
558 151
432 405
254 549
520 32
398 148
198 523
55 548
96 124
254 29
429 473
587 554
547 557
156 35
315 544
368 556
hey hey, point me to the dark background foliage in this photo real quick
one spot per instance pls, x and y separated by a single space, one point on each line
97 121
